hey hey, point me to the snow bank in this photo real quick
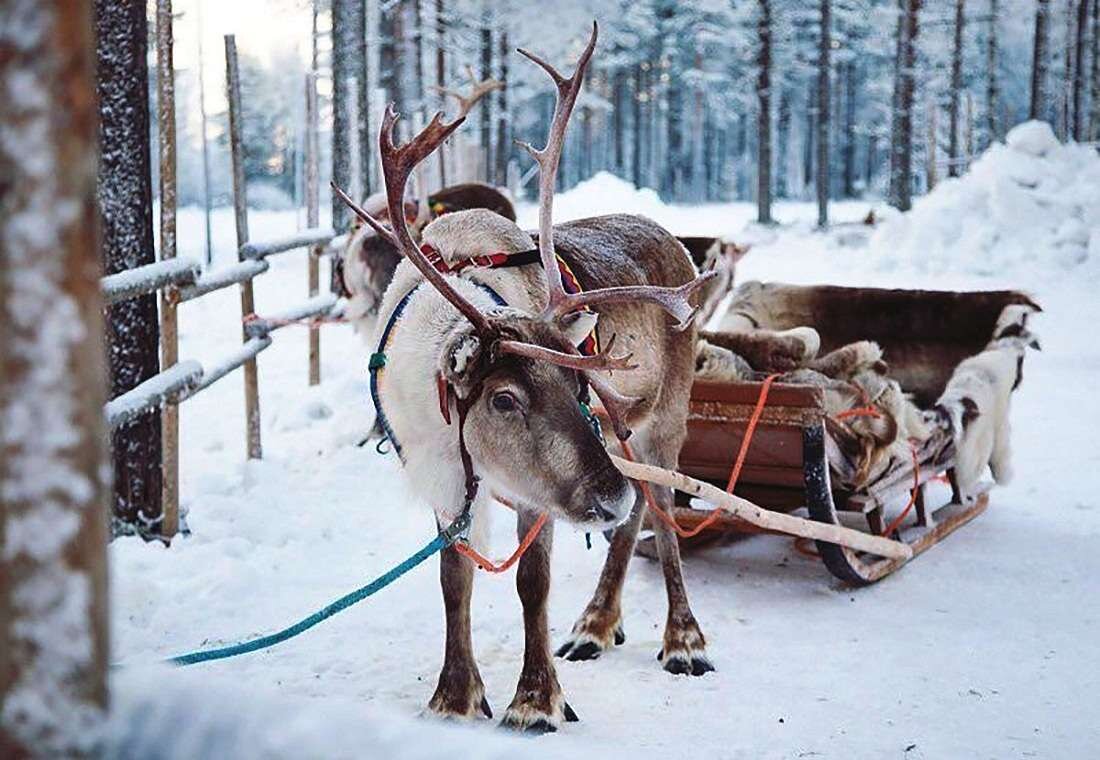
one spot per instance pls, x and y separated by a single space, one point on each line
1028 205
164 714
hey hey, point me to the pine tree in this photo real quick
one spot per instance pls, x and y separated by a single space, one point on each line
764 115
53 572
1038 106
125 194
953 157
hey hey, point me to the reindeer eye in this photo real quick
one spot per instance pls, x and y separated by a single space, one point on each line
503 401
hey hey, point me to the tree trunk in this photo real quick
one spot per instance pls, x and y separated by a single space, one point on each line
503 141
1094 120
930 149
953 153
362 92
343 65
485 106
391 30
125 196
618 120
824 108
418 51
636 125
1080 123
849 130
901 183
441 76
992 89
783 144
764 115
1038 106
53 578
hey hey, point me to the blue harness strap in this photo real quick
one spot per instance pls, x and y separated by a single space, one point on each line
378 358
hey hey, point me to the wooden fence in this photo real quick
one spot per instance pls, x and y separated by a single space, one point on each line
178 280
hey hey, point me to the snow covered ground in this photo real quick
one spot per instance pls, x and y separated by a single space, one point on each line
984 647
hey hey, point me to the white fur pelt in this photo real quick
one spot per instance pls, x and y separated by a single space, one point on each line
754 308
976 403
407 386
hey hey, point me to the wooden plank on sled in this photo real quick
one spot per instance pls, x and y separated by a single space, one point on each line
764 518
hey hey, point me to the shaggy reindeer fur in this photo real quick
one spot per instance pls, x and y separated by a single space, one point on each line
432 338
975 405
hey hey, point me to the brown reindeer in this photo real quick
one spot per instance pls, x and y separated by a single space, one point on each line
493 349
365 267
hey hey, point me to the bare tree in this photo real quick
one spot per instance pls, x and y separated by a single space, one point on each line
1094 120
953 152
823 113
343 64
362 92
125 195
53 580
1038 107
764 114
901 178
1079 122
503 141
486 132
992 88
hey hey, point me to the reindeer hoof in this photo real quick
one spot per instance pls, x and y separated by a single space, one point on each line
525 716
684 652
454 703
589 640
683 664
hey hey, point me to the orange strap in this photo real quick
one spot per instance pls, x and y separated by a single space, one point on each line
710 519
487 565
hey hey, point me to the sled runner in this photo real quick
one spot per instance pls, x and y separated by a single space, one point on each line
795 460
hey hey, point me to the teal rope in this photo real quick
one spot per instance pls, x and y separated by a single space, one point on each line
443 540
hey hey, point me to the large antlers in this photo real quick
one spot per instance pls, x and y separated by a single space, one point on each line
397 164
559 303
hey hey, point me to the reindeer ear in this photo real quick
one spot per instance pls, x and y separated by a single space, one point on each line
578 325
460 354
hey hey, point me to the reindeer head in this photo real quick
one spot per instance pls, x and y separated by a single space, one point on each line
517 381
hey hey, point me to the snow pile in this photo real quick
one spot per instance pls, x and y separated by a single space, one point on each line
1029 204
605 193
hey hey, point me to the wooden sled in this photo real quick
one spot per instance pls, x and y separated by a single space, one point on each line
793 460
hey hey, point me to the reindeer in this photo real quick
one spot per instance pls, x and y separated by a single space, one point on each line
494 350
366 265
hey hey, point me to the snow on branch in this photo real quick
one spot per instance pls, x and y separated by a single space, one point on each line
261 250
223 278
148 279
248 350
322 305
171 384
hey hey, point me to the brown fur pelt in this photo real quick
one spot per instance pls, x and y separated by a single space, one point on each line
924 333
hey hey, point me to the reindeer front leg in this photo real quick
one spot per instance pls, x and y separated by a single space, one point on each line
600 626
538 706
684 650
460 692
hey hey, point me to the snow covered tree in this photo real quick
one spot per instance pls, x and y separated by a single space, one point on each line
823 113
1038 106
764 114
953 152
343 66
53 580
125 195
901 153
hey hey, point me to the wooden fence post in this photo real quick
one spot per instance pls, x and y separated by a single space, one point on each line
313 202
53 465
240 208
169 334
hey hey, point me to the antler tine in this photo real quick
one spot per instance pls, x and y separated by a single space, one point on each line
549 157
397 164
478 90
601 361
673 300
614 403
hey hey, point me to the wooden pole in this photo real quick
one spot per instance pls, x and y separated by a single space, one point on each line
169 332
765 518
53 464
313 202
240 209
209 244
